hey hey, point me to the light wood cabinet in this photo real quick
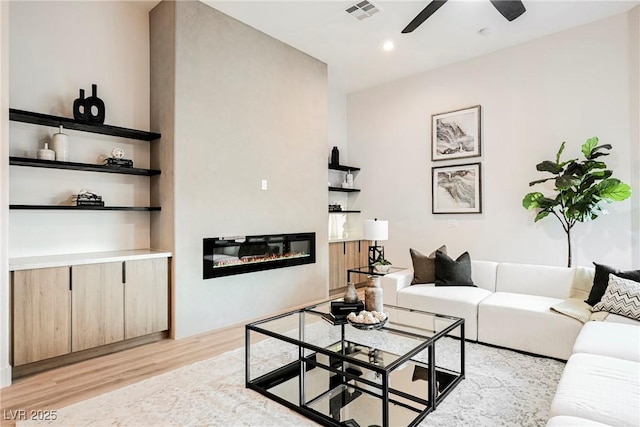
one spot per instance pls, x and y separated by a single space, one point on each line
146 297
337 265
97 308
63 310
41 314
344 256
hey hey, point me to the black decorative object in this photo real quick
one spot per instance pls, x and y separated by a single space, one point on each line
343 308
83 108
87 198
335 156
119 163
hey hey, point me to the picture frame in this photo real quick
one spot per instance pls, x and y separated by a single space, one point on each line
456 134
457 189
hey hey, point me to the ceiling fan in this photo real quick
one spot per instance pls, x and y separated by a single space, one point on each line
510 9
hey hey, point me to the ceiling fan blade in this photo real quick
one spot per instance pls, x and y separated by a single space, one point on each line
422 16
510 9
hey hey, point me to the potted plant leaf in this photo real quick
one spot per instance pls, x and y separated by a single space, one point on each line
382 265
580 188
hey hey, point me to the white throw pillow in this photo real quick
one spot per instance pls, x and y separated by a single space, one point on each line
621 297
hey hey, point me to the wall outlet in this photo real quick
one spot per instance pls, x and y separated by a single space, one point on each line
264 184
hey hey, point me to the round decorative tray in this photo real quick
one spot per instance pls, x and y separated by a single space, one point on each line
367 326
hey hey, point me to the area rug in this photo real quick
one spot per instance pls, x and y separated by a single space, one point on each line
501 388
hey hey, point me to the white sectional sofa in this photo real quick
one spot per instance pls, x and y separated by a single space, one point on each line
450 300
600 384
511 307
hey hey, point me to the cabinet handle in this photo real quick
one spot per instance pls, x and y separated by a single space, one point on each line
344 248
71 278
124 272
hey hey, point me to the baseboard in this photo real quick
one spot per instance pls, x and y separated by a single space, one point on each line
5 376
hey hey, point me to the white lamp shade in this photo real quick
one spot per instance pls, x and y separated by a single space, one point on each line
376 229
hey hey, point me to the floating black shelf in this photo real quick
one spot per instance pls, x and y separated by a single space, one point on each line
344 168
344 190
55 121
85 208
337 212
53 164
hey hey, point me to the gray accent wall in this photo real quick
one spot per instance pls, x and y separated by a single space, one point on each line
234 107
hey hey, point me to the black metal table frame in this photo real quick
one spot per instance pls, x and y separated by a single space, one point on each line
433 399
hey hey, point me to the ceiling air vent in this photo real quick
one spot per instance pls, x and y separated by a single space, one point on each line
363 9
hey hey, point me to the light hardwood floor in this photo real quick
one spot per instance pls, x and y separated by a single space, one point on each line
69 384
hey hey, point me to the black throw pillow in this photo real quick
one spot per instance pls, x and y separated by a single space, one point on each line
601 281
451 272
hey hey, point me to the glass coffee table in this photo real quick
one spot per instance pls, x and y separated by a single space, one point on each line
338 375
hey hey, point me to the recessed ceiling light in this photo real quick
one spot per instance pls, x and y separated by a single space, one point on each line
388 46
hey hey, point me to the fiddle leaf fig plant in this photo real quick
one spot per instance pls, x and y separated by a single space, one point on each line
579 188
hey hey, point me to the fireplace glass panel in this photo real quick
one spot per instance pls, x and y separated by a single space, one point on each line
225 256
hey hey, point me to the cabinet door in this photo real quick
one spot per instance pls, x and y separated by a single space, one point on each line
41 314
353 257
364 252
146 297
97 313
337 266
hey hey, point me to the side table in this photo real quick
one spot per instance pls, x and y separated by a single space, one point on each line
370 271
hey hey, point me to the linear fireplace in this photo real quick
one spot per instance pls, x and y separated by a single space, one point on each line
225 256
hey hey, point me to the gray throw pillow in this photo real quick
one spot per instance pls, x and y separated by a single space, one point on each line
451 272
424 266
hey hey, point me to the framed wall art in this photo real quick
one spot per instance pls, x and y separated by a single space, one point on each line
457 189
456 134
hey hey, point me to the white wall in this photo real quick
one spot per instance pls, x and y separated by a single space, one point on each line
5 368
341 225
246 107
634 118
58 48
568 86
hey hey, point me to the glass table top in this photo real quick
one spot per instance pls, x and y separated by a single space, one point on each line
404 332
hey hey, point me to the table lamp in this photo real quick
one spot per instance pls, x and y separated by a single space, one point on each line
375 230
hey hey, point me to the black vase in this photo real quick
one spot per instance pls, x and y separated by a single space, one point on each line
335 156
79 109
83 108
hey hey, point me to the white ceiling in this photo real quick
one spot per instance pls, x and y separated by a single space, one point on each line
353 49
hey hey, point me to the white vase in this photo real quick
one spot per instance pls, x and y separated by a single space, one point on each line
60 144
46 154
373 295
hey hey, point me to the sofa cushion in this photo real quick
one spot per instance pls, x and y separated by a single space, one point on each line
526 323
601 280
542 280
458 301
424 266
621 297
483 274
582 283
609 339
567 421
599 388
450 272
614 318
